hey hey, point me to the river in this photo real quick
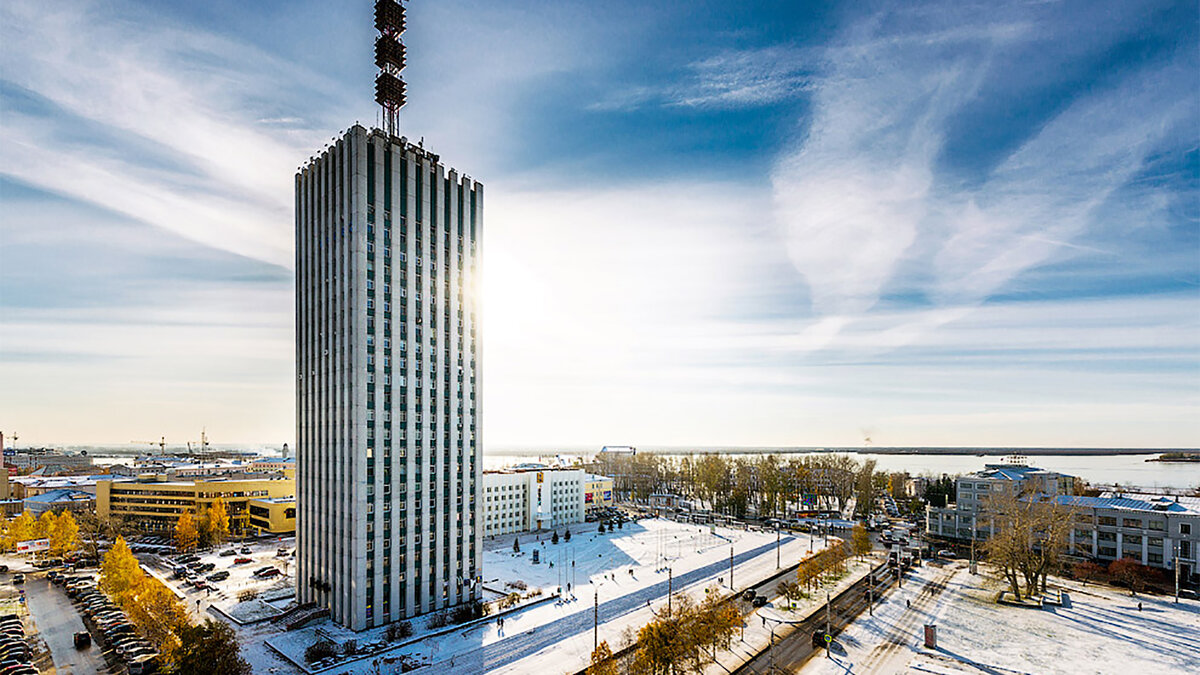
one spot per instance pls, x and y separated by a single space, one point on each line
1129 470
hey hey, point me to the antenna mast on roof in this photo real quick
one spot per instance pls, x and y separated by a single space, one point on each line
390 57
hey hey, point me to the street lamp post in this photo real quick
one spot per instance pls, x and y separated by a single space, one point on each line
1175 562
777 565
731 587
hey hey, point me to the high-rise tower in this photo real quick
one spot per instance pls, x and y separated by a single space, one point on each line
387 406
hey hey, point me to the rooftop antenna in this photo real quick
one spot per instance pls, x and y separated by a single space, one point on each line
390 58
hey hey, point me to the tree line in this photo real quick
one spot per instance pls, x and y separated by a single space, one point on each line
764 485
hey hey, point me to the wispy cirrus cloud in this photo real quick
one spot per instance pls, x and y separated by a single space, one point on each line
725 80
108 92
864 198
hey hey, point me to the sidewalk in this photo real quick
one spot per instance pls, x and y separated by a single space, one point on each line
757 634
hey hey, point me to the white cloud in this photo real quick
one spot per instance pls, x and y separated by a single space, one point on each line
231 179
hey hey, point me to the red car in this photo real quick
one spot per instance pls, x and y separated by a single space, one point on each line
241 561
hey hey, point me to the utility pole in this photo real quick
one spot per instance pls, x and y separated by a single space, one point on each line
731 587
669 580
828 625
777 566
596 621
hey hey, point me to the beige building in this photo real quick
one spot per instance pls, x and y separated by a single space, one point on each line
598 492
155 506
273 515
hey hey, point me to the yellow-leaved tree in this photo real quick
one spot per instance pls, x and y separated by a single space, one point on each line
860 540
22 528
159 615
218 519
120 573
64 534
186 533
45 525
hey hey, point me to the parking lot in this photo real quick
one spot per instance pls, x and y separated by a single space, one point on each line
226 577
57 622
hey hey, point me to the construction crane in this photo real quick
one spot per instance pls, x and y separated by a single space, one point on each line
161 443
202 443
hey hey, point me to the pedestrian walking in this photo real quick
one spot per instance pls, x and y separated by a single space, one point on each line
1139 606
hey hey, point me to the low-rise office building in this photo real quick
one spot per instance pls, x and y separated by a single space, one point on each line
1155 530
532 497
272 515
52 460
598 493
151 505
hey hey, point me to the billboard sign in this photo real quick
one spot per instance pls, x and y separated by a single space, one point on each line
608 495
587 498
33 545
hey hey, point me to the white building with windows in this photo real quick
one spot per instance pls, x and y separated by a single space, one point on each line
531 497
1155 530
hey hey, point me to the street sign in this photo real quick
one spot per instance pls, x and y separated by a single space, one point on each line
828 638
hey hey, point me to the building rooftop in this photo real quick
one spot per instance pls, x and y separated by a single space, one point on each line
1151 504
1010 472
277 500
61 496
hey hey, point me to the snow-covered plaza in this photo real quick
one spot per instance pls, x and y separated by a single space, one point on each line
1098 629
620 577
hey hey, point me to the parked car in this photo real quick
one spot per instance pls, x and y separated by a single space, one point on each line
245 550
759 600
144 665
218 576
947 554
748 594
229 551
83 640
18 579
242 561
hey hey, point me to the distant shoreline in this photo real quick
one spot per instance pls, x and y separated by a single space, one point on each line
916 451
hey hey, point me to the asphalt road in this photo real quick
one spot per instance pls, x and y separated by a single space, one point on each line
57 621
793 644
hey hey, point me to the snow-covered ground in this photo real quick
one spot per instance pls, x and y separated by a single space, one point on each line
1097 630
274 593
557 636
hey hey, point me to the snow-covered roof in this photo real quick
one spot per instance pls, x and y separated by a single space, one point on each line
1190 502
1158 504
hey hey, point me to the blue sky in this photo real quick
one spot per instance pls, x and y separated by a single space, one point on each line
708 223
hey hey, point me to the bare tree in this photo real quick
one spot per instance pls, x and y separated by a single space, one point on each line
1028 537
